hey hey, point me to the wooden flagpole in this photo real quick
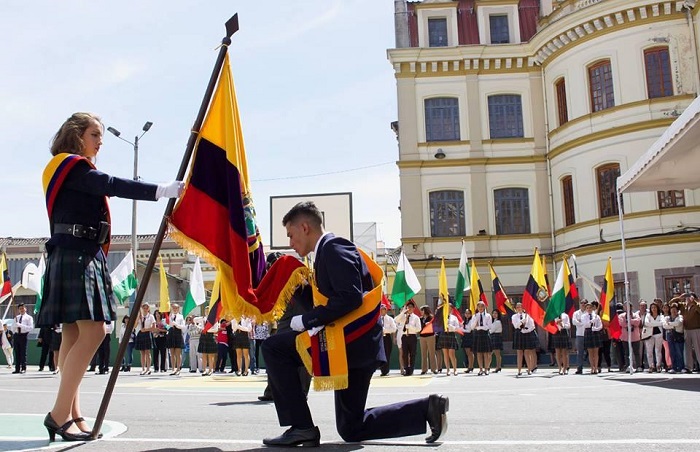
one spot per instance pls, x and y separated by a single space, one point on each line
231 28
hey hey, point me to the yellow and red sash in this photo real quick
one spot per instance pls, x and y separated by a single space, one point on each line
324 355
55 174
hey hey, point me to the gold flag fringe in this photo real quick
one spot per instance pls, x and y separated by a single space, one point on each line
240 307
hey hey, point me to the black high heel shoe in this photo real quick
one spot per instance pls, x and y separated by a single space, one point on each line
89 432
54 429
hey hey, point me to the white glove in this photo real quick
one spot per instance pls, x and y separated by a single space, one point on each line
297 324
170 190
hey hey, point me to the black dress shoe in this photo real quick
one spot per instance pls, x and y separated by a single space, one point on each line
437 416
54 429
310 437
265 398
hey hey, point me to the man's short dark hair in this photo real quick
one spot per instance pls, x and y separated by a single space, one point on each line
305 209
20 305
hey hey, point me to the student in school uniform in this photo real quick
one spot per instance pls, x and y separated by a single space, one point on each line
388 330
496 334
481 324
241 343
447 342
145 323
561 341
174 339
468 341
409 325
208 346
524 339
592 336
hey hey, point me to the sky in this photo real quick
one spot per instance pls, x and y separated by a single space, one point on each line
316 96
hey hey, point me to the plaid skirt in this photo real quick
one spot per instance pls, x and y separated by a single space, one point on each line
207 344
482 341
77 286
592 339
468 340
241 339
561 339
527 341
174 338
497 341
447 340
143 341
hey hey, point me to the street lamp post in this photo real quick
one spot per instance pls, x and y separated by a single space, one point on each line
135 144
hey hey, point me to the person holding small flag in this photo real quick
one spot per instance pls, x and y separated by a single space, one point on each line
496 333
174 339
561 341
592 337
524 339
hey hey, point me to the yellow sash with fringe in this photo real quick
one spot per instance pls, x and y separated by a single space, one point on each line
324 355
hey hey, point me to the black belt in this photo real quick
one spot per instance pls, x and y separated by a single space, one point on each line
99 233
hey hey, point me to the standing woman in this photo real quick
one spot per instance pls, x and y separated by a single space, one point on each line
194 331
562 342
468 340
260 334
241 342
496 333
654 344
426 338
129 355
159 351
145 323
447 341
207 345
174 340
77 287
524 338
481 324
592 337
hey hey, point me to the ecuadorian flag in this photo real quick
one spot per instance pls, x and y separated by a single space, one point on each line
215 217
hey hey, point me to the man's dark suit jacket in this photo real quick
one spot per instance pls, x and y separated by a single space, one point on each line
342 276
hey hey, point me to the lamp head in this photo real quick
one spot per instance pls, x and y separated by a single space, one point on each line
147 126
113 131
439 154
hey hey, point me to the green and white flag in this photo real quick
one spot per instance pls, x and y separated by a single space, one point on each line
195 295
124 280
33 279
406 283
462 277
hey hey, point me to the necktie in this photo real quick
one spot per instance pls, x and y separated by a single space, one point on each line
481 319
19 324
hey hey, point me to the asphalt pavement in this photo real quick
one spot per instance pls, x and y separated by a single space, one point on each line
541 412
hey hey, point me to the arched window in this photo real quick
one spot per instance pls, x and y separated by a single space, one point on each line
607 189
562 109
600 82
512 206
505 116
567 195
442 119
657 65
447 213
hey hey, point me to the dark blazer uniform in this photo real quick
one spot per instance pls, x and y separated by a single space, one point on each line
342 276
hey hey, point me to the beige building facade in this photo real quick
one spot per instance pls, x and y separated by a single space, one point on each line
515 118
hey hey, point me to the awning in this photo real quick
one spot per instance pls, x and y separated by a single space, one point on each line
673 161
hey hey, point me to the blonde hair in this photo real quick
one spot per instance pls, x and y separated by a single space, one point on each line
69 139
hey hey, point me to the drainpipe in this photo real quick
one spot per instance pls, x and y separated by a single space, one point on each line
693 41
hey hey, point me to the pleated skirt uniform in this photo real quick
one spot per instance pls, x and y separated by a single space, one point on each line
207 344
447 340
241 340
468 340
561 339
527 341
497 341
482 341
144 341
174 338
592 339
77 286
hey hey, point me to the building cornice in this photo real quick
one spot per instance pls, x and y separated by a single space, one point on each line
446 163
608 133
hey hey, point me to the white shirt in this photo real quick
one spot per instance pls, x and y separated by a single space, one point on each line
319 241
578 322
676 324
496 327
528 325
244 325
452 323
24 323
592 321
178 321
565 322
481 321
144 323
109 327
389 324
650 322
